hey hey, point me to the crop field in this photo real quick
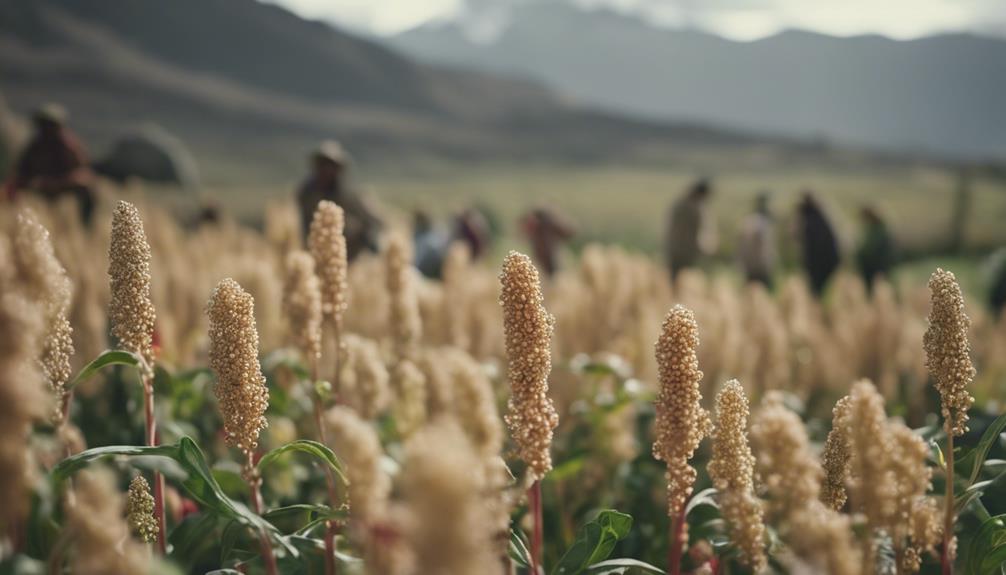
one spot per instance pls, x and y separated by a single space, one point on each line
232 399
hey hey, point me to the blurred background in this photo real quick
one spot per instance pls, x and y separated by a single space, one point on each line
603 112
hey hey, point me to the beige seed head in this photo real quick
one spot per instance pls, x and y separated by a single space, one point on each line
409 406
835 457
444 487
788 469
44 279
527 328
948 352
732 471
241 390
140 510
131 310
95 527
363 383
405 322
871 485
327 244
681 423
22 391
475 405
355 442
302 303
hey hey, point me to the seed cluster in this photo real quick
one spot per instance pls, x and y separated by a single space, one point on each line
100 536
732 471
527 327
302 304
835 458
681 422
241 391
948 352
131 310
140 510
327 243
43 277
356 443
405 323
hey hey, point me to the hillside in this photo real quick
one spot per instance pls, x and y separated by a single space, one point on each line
250 87
941 94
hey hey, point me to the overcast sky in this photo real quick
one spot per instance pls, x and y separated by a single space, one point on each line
738 19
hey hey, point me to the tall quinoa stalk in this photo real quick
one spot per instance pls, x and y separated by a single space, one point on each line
327 243
241 391
131 313
681 423
949 361
531 416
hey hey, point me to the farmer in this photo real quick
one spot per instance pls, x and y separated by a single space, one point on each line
820 245
547 231
329 164
690 235
875 255
54 163
756 249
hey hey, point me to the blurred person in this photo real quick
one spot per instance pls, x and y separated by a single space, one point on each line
875 254
429 245
818 240
547 231
995 269
690 234
54 163
756 247
472 229
329 165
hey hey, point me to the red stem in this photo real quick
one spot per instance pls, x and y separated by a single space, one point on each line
538 536
948 521
255 484
676 543
151 436
319 422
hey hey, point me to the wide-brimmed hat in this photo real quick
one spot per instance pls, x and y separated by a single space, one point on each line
50 112
332 151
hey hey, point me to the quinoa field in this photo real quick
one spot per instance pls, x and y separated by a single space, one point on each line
228 399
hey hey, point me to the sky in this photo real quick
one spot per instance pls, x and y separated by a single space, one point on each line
737 19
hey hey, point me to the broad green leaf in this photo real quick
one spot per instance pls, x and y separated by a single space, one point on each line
981 451
987 551
190 534
224 572
107 358
619 566
595 542
199 484
314 448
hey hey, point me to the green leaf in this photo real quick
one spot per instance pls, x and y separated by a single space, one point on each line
981 451
193 532
310 447
518 550
199 484
595 542
107 358
987 551
704 497
224 572
619 566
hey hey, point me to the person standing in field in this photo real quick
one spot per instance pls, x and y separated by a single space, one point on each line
756 247
690 234
547 231
875 255
819 242
472 229
329 164
54 163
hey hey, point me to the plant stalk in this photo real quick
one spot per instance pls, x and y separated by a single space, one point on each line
151 436
255 485
538 533
676 543
319 422
948 521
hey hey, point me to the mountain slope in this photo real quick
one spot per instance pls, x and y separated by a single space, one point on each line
250 87
942 94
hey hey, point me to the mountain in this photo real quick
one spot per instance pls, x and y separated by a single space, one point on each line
942 94
250 87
